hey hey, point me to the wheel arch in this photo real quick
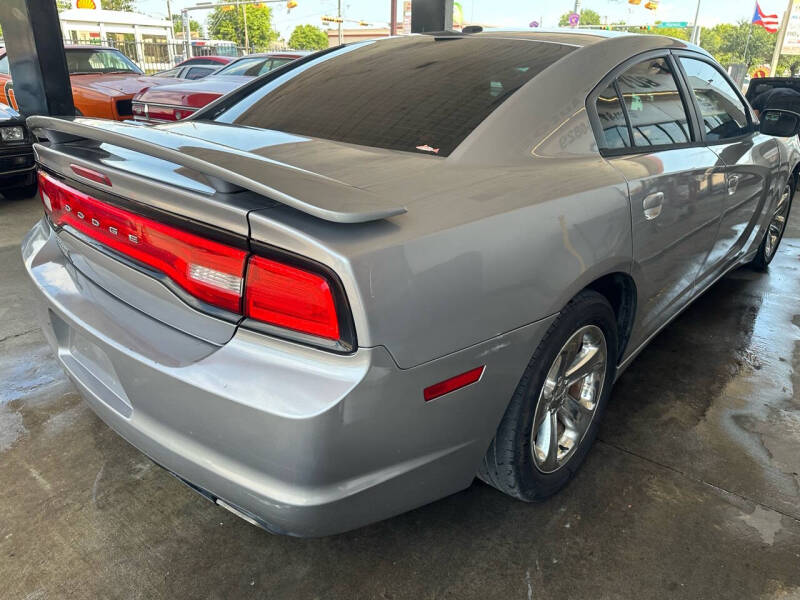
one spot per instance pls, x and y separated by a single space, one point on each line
619 289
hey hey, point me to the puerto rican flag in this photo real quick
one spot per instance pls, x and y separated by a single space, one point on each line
768 22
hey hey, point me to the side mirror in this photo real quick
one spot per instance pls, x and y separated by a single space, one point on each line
779 123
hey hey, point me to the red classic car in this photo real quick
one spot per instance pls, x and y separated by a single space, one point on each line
104 81
179 100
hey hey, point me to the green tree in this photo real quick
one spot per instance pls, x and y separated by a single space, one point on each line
588 17
681 33
227 23
123 5
727 42
308 37
177 24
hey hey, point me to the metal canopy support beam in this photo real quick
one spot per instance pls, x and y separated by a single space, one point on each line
431 15
37 62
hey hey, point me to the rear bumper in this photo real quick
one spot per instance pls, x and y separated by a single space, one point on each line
302 441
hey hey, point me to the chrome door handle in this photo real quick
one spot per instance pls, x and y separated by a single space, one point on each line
733 183
652 205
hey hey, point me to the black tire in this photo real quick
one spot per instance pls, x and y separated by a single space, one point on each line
509 463
765 254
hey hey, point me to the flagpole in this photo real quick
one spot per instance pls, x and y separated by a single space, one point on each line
749 35
776 55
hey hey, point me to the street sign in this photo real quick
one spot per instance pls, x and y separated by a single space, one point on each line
665 24
791 43
574 19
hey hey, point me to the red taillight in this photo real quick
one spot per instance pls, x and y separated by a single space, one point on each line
208 270
452 384
286 296
289 297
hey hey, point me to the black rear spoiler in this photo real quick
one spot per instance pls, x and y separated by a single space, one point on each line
309 192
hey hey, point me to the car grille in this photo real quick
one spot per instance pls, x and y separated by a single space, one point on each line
15 163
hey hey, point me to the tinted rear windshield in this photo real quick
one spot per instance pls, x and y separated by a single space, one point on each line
419 94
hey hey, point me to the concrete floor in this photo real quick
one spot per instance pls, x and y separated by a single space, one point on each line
693 490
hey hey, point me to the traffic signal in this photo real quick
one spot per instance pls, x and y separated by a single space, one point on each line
291 4
332 20
651 5
635 2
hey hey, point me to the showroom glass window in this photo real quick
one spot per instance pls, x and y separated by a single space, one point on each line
723 113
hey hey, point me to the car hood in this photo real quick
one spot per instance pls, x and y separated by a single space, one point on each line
117 84
8 114
193 93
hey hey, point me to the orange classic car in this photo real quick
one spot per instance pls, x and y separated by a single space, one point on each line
104 81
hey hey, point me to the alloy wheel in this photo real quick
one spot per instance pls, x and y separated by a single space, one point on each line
778 223
569 397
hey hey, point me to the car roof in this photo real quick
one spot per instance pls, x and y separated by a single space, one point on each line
580 38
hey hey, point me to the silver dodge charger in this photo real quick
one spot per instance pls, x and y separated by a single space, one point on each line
352 285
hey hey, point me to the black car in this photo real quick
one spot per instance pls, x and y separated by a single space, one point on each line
17 176
759 86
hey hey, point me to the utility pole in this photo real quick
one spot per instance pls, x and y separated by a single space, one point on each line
244 19
696 29
339 14
776 55
187 40
393 20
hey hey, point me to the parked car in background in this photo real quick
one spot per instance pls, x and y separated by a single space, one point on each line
178 101
349 287
17 175
761 86
196 68
104 81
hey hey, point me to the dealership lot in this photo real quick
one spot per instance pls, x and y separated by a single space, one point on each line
692 491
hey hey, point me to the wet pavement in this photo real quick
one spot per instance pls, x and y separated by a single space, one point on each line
692 491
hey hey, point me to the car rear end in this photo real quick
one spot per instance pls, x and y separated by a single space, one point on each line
258 312
238 364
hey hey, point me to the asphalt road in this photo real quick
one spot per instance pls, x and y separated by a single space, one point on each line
692 491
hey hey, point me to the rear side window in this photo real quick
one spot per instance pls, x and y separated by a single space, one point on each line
198 72
654 105
612 119
4 65
644 108
245 66
723 114
418 94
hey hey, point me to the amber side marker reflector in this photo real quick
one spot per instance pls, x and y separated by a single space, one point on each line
453 384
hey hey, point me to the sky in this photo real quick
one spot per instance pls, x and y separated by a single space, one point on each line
502 13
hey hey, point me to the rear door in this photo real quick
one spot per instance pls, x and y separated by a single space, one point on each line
676 184
748 158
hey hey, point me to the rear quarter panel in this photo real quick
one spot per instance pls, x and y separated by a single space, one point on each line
480 253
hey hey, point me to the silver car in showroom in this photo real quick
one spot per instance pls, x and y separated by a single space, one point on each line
352 285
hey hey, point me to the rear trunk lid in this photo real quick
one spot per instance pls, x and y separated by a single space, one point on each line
186 177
